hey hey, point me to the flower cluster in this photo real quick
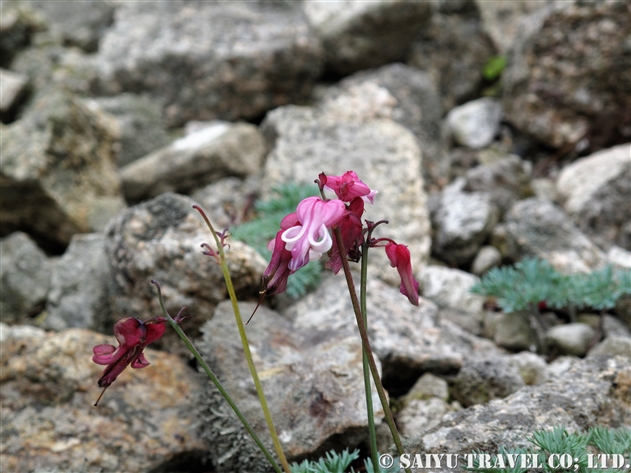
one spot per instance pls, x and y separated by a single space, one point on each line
305 236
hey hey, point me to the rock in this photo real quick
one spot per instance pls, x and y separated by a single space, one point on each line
361 35
480 381
532 368
49 384
462 223
562 82
545 189
612 346
513 332
17 26
160 239
470 321
475 123
487 258
403 94
619 257
305 142
535 227
591 392
140 120
458 81
25 275
219 150
313 380
596 192
420 415
448 287
78 287
12 90
58 170
210 60
615 327
570 339
508 180
429 386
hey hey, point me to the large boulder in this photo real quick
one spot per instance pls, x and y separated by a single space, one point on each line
209 60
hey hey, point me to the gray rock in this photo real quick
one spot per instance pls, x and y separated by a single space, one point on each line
508 180
535 227
161 239
305 142
220 149
412 100
12 89
563 81
545 189
512 331
481 381
459 80
210 60
420 415
475 123
570 339
590 393
596 192
17 26
360 35
532 368
487 258
615 327
448 287
78 287
619 257
25 275
140 120
313 380
58 169
49 384
462 223
612 346
472 322
429 386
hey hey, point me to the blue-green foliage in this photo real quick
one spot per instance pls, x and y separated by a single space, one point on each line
258 232
534 280
335 462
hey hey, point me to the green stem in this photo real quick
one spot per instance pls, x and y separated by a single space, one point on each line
369 409
366 344
216 382
246 345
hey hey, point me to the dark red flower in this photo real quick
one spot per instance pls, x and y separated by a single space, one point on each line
352 235
399 257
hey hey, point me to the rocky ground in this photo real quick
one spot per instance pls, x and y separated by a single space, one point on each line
118 116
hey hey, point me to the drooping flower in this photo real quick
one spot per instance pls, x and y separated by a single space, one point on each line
347 187
399 256
352 232
277 272
133 336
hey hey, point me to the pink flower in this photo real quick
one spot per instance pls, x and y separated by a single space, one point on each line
309 238
347 187
352 232
399 257
277 272
133 336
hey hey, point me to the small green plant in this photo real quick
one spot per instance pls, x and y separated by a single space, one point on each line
339 463
260 230
494 67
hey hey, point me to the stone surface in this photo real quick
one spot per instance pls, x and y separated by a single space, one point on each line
563 80
458 79
78 286
12 89
48 387
305 142
429 386
17 26
313 382
140 120
481 381
160 239
619 257
570 339
535 227
596 192
487 258
511 331
403 94
532 368
211 60
218 150
25 275
462 222
474 124
58 170
360 35
448 287
612 346
420 415
587 393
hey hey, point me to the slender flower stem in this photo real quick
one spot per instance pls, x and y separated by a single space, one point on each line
369 409
246 345
366 344
216 381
